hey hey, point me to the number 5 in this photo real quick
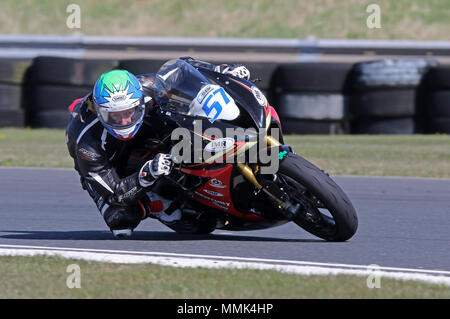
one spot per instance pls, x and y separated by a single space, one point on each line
216 104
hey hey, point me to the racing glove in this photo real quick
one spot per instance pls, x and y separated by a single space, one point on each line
162 164
237 70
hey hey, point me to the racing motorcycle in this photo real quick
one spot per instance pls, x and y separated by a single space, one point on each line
214 192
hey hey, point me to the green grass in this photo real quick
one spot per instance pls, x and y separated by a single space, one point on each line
377 155
46 277
400 19
372 155
34 148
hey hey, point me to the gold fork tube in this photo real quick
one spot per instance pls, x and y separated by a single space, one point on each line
248 174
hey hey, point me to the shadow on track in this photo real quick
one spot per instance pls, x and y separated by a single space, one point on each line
140 235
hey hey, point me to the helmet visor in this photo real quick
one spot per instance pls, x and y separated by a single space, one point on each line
122 119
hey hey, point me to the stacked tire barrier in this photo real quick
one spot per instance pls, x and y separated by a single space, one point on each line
438 100
311 97
11 78
388 97
379 97
52 83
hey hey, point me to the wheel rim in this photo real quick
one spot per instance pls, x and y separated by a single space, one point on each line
314 217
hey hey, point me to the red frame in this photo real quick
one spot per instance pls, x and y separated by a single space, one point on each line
222 201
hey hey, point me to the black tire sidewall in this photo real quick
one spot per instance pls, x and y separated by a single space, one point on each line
326 190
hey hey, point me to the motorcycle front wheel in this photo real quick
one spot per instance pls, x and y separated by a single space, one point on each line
325 210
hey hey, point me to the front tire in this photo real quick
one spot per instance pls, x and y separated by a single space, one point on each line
316 190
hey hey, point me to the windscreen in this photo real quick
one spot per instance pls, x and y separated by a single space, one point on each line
182 82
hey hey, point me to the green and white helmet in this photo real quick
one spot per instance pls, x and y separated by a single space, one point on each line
119 102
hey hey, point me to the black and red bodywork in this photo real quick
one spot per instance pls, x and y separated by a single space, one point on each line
219 185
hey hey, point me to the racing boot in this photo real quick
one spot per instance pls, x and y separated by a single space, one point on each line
161 210
122 220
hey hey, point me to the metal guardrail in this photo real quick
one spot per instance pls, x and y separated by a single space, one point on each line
275 50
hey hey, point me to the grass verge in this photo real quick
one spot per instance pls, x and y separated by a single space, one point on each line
371 155
46 277
377 155
34 148
400 19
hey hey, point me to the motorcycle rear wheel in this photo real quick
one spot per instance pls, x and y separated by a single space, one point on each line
317 192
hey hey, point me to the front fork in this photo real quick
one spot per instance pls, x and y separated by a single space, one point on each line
288 209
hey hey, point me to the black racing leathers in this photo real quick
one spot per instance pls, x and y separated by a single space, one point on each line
100 158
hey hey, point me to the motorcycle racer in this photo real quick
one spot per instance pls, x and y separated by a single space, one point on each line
105 125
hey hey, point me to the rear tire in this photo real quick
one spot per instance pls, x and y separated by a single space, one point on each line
330 195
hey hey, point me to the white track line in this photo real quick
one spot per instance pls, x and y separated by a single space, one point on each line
209 261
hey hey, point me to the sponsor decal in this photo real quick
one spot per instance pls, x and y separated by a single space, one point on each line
118 98
207 191
259 96
88 154
220 144
204 92
219 203
216 183
130 193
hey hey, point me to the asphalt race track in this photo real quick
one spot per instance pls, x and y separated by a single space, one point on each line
403 222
